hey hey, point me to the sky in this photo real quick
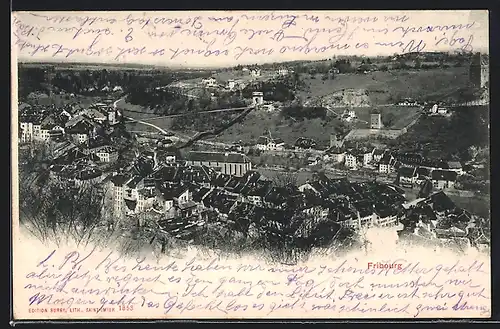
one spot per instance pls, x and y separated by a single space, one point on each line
223 38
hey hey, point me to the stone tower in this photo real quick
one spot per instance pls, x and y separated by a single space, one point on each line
479 71
485 72
257 98
376 121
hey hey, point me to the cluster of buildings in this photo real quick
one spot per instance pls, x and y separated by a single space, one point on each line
353 158
351 116
257 98
186 192
408 102
412 168
212 83
221 188
436 110
251 77
265 143
437 218
107 88
75 132
255 72
41 123
268 143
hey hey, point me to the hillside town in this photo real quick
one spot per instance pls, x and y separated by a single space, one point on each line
193 186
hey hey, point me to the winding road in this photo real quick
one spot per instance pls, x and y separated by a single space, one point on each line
147 124
181 137
163 131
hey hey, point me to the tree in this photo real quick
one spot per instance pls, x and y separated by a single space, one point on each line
388 119
342 129
56 210
425 189
344 66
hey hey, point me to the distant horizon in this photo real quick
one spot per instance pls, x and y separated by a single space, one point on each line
207 68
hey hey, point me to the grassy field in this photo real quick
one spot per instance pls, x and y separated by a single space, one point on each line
384 87
255 124
402 115
259 123
140 113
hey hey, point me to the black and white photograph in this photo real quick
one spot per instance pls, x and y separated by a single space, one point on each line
290 159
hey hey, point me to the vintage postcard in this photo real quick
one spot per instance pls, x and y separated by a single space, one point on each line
251 164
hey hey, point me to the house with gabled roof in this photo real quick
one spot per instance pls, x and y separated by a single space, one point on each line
201 175
221 201
30 126
377 154
442 179
234 185
81 129
200 193
313 206
407 176
280 197
265 143
94 114
352 160
66 153
176 199
257 192
178 192
105 153
455 166
387 164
